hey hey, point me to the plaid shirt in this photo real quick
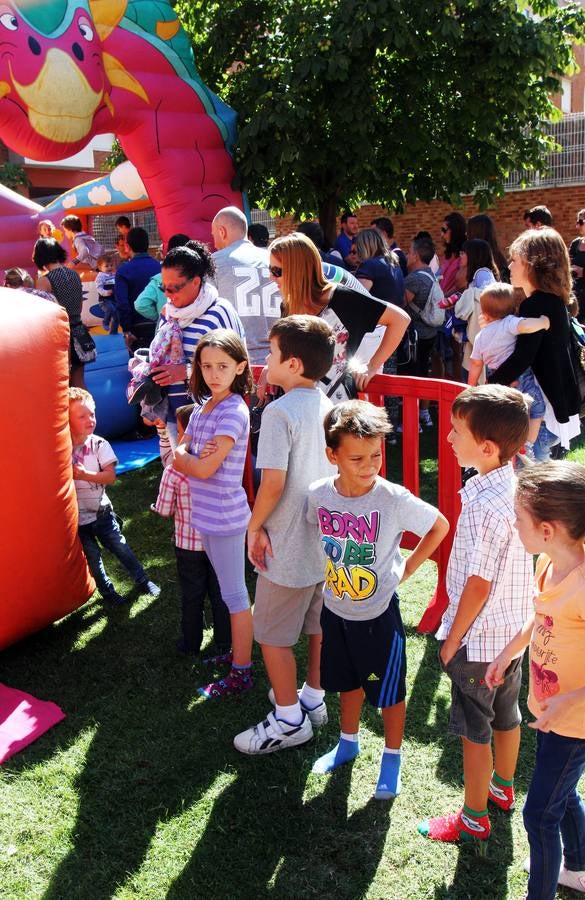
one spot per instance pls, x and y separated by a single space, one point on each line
174 497
487 544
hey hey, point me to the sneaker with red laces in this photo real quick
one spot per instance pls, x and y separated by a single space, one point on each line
502 796
234 683
456 827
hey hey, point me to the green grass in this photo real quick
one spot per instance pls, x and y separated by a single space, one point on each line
140 794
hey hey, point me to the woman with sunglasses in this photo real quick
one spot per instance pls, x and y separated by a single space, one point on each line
194 303
577 257
295 265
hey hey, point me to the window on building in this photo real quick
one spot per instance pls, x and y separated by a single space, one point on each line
566 91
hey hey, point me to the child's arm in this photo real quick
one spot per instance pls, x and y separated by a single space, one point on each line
554 709
473 598
497 669
426 546
196 467
269 493
475 370
529 326
106 476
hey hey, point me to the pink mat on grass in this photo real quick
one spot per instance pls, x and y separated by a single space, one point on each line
23 719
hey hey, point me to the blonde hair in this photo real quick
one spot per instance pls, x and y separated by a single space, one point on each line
303 283
80 395
549 268
369 243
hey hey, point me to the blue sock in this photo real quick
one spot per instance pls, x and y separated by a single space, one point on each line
342 753
389 784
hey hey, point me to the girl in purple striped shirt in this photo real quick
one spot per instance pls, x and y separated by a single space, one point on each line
212 453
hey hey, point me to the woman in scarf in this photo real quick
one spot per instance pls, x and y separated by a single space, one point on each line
194 303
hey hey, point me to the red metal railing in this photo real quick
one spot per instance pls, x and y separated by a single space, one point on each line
412 391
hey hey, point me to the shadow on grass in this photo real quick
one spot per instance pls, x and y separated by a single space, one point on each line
483 865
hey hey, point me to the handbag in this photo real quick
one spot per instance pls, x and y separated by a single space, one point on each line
407 350
83 343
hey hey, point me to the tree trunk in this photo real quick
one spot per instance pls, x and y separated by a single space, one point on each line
327 218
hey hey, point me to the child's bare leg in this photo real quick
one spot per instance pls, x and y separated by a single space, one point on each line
281 666
477 772
506 749
348 747
242 635
394 718
389 782
533 430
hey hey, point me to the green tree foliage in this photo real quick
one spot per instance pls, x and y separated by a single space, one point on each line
12 175
385 101
114 157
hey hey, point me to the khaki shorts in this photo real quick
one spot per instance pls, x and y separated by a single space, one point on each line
282 614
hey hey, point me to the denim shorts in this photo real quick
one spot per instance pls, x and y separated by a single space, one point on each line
475 710
527 384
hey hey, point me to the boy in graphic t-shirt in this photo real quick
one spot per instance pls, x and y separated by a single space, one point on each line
361 517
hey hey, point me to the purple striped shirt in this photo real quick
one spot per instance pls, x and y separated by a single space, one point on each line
219 504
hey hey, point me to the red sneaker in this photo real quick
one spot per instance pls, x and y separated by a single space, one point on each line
502 796
456 827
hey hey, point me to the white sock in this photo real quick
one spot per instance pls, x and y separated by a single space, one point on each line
310 697
391 750
292 715
350 737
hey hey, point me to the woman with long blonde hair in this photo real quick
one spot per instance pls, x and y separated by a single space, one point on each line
539 264
295 265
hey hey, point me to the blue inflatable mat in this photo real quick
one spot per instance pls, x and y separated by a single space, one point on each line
135 454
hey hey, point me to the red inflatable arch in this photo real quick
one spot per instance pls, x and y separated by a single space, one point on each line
42 567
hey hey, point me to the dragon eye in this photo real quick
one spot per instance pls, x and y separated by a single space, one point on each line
9 21
85 29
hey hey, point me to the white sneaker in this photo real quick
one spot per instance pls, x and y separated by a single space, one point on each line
318 716
272 735
573 880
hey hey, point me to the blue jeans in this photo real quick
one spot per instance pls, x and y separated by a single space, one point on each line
110 311
553 809
107 531
197 578
544 443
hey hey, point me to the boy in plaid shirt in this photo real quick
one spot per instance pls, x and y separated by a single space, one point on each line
195 572
490 588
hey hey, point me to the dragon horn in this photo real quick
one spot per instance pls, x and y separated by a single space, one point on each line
107 14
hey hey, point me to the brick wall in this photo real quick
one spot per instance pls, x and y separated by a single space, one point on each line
507 214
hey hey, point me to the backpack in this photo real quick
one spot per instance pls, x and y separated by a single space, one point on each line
432 314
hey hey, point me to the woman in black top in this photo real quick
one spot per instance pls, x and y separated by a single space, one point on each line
540 266
49 256
296 267
577 257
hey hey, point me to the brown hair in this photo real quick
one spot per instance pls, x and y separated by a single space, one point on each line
498 301
303 283
108 257
72 223
545 253
356 417
183 414
227 340
494 412
16 278
307 338
555 492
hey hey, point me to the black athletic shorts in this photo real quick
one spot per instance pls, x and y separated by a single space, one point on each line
368 653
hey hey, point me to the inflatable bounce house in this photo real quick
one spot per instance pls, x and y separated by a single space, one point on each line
71 69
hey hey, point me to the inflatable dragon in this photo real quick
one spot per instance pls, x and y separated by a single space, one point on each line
71 69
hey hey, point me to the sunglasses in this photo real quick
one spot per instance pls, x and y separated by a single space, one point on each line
275 271
173 288
580 221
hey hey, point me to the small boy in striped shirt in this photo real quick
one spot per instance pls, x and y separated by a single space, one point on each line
490 589
194 570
